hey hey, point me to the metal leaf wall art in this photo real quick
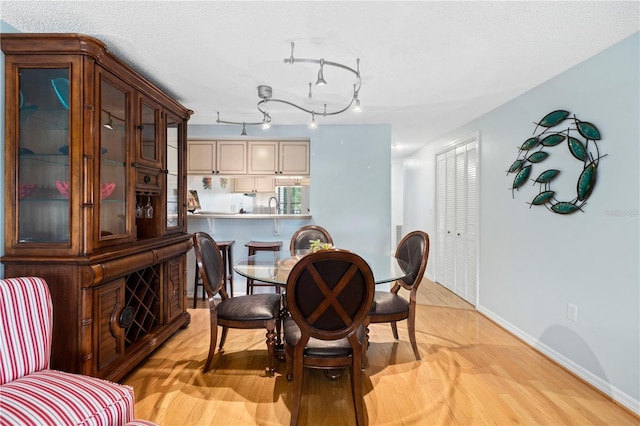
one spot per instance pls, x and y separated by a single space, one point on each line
581 140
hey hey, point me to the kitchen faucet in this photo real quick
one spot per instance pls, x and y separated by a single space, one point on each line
276 206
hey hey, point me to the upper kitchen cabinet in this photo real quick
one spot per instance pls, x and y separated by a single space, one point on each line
278 157
254 185
217 157
95 199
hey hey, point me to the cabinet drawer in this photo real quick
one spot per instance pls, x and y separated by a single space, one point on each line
148 180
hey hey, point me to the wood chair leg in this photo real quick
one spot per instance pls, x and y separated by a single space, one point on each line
213 337
411 326
356 387
271 348
223 337
365 346
296 396
394 328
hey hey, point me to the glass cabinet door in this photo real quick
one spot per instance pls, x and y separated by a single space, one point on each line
112 192
43 156
149 150
174 144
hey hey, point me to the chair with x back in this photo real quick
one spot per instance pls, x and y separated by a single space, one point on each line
248 312
301 239
389 306
329 295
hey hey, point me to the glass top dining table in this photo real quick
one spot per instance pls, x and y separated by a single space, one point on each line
274 267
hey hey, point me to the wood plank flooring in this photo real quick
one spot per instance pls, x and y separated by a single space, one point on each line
472 372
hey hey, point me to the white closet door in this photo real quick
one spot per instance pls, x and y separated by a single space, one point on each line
450 222
441 230
457 220
460 221
471 234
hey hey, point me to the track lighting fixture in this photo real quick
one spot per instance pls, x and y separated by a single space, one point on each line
321 81
265 94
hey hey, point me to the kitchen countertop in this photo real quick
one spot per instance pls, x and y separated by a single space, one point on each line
222 215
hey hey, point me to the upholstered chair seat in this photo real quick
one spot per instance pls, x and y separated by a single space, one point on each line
387 303
316 347
256 307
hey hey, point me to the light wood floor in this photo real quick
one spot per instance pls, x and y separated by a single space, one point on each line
472 373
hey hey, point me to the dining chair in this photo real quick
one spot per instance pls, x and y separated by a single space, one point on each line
329 295
247 312
389 306
301 239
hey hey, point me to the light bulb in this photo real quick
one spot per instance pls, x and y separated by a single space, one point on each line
356 107
313 124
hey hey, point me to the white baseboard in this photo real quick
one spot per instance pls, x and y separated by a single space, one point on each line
608 389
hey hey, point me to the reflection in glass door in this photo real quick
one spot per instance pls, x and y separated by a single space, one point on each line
113 161
43 155
173 172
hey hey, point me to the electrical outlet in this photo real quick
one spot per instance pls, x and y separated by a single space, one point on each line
572 312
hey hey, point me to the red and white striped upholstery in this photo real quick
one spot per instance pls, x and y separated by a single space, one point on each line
31 393
25 327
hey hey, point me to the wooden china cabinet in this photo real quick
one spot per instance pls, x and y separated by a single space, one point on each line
95 199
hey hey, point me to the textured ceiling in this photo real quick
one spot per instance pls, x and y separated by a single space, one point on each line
427 67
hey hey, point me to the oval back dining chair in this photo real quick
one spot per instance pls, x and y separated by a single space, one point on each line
248 312
389 306
301 239
329 295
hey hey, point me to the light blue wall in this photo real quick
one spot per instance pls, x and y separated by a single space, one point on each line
533 262
350 192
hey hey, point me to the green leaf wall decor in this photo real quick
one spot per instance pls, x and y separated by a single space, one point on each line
581 137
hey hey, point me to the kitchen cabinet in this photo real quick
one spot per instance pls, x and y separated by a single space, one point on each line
278 157
293 181
217 157
96 156
254 185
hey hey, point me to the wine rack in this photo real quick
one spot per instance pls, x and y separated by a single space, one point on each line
142 293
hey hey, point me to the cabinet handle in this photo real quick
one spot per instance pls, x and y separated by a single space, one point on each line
147 179
140 127
126 317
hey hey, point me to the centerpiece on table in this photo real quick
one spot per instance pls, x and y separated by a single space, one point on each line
285 265
315 245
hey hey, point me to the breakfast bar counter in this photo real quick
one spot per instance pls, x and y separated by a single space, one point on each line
222 215
242 228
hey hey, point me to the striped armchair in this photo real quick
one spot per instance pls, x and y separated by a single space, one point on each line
30 392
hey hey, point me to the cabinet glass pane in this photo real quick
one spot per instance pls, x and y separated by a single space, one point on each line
149 133
173 140
113 160
43 156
